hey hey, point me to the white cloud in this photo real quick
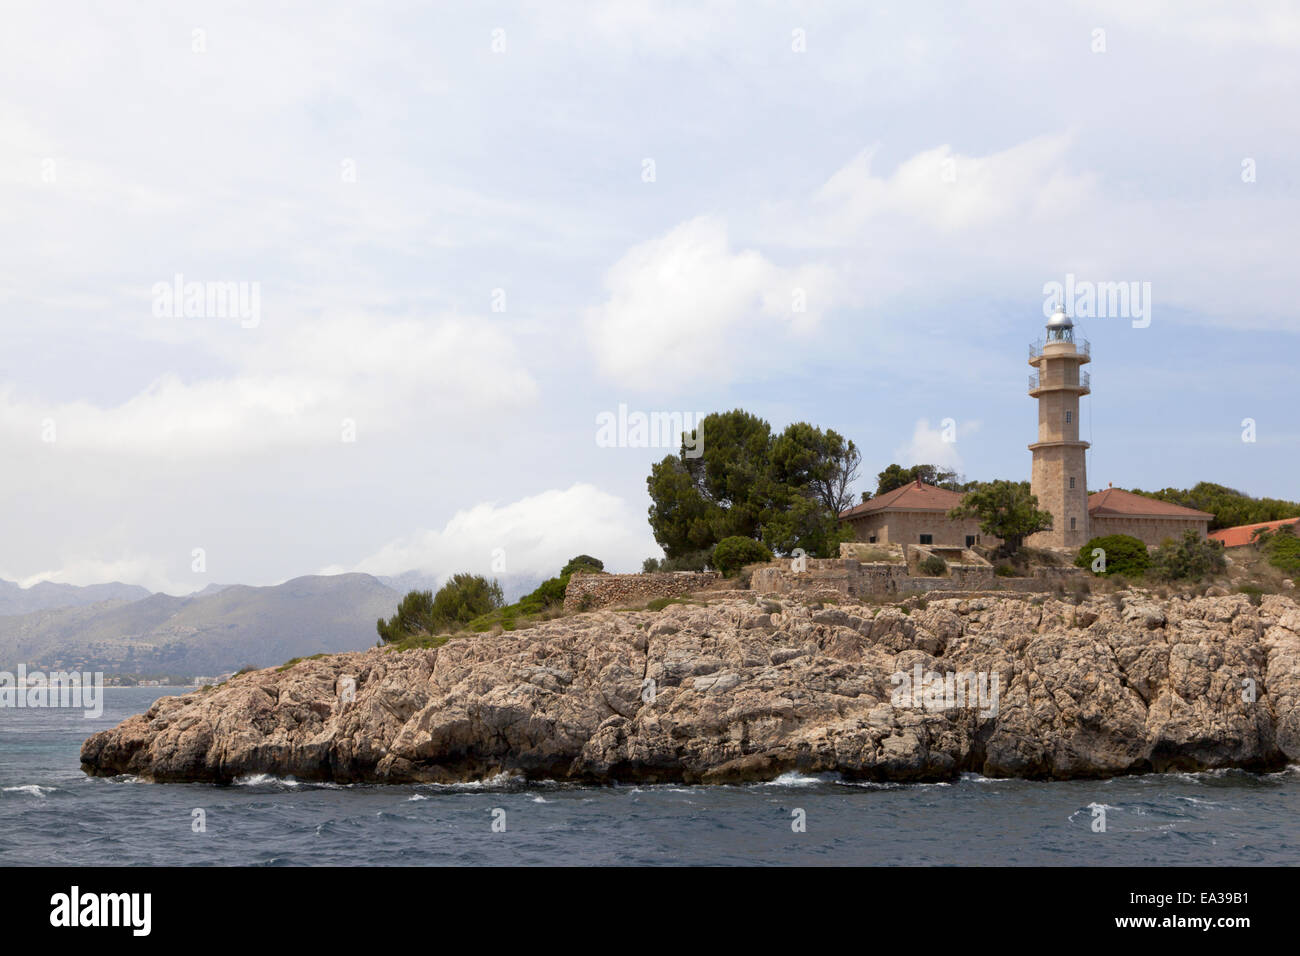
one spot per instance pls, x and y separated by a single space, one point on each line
687 305
534 535
131 569
297 385
935 445
948 191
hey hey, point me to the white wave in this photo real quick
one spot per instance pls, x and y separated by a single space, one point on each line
801 780
33 789
540 799
260 779
418 796
497 782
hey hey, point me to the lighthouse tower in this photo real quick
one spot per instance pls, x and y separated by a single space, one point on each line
1058 478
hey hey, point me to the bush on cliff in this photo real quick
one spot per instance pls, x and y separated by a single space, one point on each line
1122 553
582 564
422 613
732 554
1282 547
1189 559
545 601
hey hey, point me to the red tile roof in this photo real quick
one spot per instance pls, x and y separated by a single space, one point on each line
1244 533
1121 503
913 496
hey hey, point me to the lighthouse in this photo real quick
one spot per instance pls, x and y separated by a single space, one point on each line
1059 478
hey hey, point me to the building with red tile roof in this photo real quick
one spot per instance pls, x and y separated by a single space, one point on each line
1116 511
1244 534
915 513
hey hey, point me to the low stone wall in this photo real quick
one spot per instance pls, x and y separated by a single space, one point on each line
587 592
856 579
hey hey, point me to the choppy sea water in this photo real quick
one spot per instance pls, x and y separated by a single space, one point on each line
51 813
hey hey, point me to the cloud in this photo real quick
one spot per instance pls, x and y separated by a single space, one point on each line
534 535
82 571
948 192
935 446
297 386
687 305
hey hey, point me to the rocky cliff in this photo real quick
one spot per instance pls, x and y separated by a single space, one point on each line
746 689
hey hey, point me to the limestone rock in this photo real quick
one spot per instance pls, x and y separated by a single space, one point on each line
741 690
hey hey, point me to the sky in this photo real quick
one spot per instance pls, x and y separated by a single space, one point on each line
457 236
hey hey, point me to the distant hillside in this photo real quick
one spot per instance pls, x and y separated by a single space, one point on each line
46 595
215 631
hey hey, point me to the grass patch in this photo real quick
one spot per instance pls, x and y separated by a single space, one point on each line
296 660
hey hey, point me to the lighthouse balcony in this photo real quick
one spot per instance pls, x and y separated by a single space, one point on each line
1082 347
1040 383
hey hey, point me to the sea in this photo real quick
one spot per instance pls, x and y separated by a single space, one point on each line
53 814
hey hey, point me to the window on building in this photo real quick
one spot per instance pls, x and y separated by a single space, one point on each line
1067 417
1071 482
1071 520
970 540
927 539
871 540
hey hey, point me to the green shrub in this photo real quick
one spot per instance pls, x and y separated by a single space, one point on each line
1004 570
933 566
1254 592
1282 547
1189 559
732 554
693 561
1123 554
422 613
582 564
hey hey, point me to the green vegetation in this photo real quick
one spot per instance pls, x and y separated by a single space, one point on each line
295 660
423 614
1254 592
545 602
1005 509
1282 548
732 554
895 476
1189 559
933 566
1229 506
1004 570
1124 554
785 490
879 555
691 561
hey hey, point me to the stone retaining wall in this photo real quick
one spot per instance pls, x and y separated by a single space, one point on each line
587 592
856 579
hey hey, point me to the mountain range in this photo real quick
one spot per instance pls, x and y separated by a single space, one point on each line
40 597
126 629
219 629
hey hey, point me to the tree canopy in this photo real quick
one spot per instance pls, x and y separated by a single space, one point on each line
1229 506
896 476
1006 510
785 490
461 599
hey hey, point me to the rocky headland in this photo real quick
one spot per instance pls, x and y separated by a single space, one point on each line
746 688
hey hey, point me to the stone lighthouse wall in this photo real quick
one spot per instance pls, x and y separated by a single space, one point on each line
1059 477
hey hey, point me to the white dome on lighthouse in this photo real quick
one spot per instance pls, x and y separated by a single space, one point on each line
1059 319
